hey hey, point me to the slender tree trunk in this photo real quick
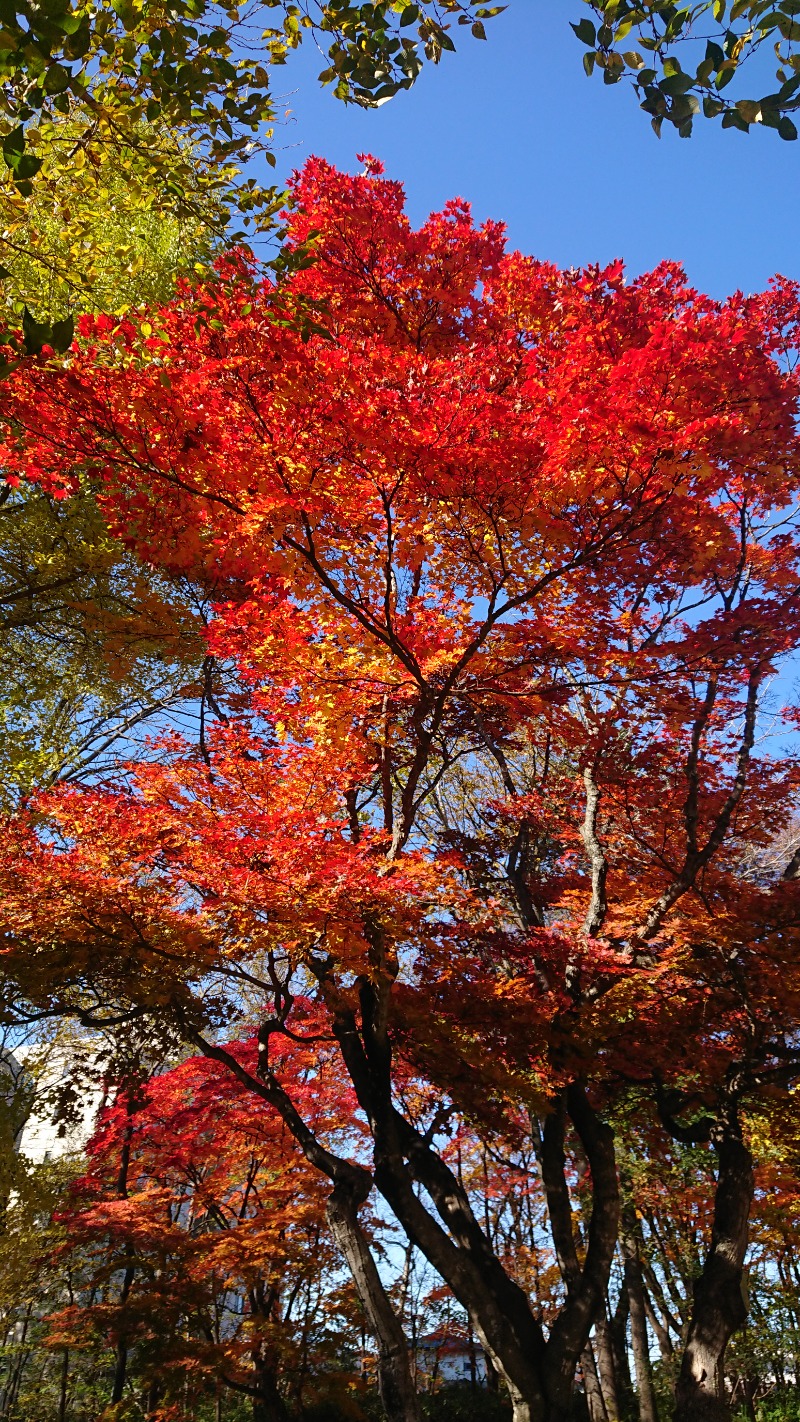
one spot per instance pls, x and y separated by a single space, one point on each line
595 1401
121 1352
640 1342
62 1387
718 1303
395 1383
604 1353
618 1337
121 1360
151 1400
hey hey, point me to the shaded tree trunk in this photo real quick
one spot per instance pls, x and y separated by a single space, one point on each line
398 1394
539 1373
601 1238
268 1405
121 1351
595 1401
718 1302
63 1383
618 1337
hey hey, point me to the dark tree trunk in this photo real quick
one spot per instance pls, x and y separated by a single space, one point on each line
539 1373
268 1405
121 1352
618 1336
718 1302
586 1285
398 1394
152 1399
63 1387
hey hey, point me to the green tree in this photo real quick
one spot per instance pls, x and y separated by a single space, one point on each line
686 60
92 644
94 234
133 70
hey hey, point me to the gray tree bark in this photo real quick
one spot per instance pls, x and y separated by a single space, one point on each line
640 1342
718 1308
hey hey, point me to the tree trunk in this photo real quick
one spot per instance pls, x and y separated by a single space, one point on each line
718 1302
539 1372
604 1353
618 1337
398 1394
268 1405
151 1399
121 1359
595 1401
63 1386
640 1342
586 1284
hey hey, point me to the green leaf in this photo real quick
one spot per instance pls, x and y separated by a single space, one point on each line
62 333
57 79
35 333
14 145
787 129
585 32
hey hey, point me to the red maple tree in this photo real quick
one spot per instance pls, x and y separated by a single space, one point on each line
507 559
200 1239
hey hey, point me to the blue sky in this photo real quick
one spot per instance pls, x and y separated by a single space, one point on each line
572 166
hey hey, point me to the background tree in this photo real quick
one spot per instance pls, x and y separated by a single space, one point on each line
682 59
178 96
219 1233
92 644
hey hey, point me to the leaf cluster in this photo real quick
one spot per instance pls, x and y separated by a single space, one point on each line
681 59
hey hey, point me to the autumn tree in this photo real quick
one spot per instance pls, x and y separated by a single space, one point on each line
200 1233
506 558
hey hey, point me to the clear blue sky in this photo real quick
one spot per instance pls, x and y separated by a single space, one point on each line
572 166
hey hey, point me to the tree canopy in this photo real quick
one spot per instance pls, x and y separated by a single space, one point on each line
506 559
155 83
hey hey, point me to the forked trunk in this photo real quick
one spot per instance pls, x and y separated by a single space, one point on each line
718 1304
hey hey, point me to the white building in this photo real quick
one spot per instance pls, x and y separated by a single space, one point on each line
442 1360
